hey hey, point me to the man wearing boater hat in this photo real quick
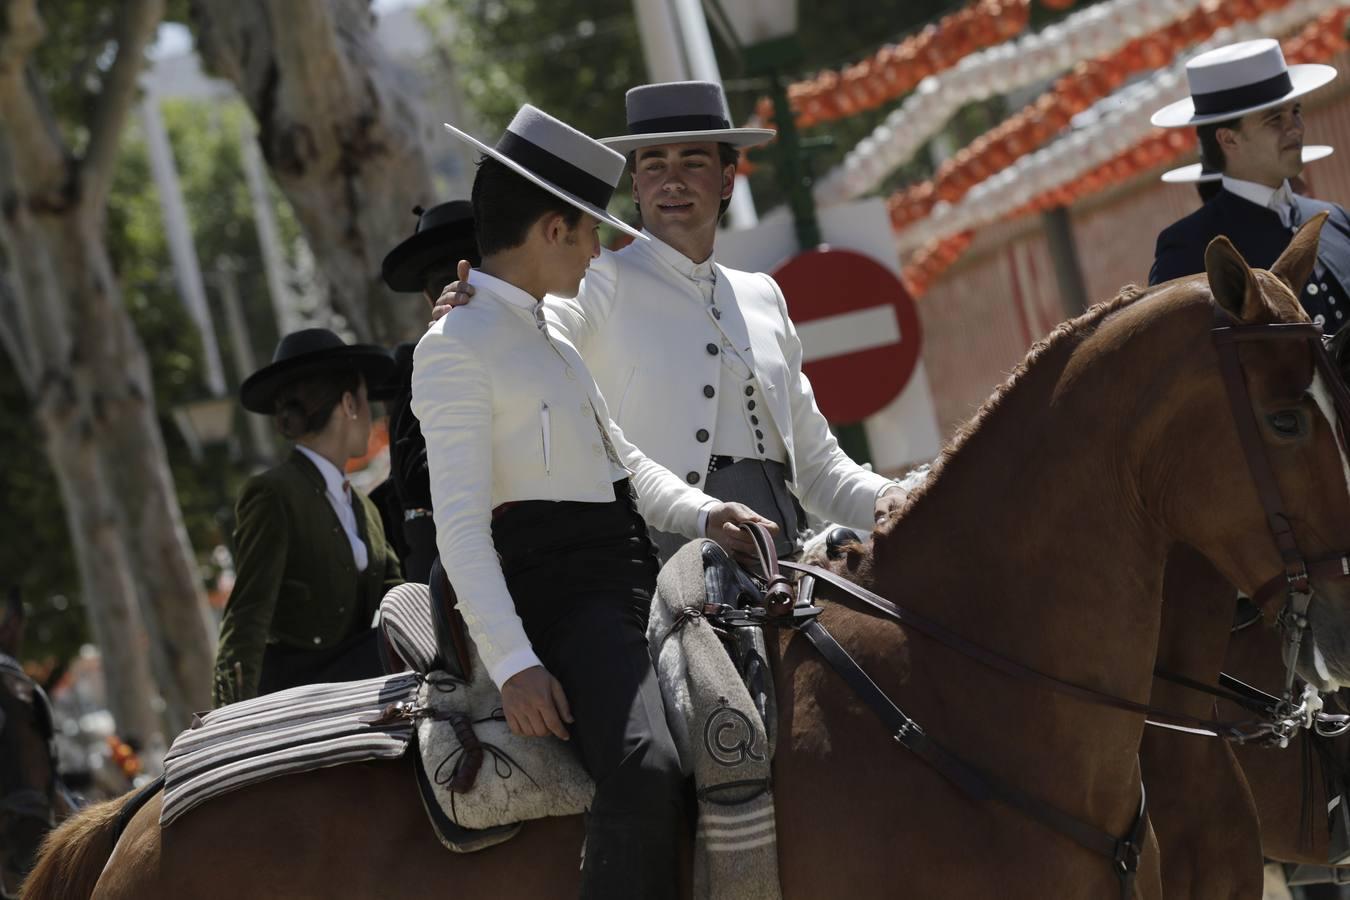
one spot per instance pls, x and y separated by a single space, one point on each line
537 495
1245 104
422 264
700 362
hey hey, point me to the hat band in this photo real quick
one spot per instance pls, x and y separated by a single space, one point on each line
1243 97
664 124
555 169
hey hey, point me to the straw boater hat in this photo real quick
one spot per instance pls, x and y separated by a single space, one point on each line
1196 173
560 159
1237 79
679 112
311 351
444 234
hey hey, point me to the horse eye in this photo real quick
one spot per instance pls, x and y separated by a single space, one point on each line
1287 423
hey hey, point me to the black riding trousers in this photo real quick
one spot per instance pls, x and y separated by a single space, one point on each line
582 575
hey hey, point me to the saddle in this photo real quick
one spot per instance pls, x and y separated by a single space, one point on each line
478 781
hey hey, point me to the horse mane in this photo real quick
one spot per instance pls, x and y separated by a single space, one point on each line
1063 334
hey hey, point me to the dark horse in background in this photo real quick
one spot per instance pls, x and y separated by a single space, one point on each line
1042 534
32 800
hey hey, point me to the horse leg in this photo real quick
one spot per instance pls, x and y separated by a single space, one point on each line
354 831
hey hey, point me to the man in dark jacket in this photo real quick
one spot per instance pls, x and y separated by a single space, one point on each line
1245 105
424 263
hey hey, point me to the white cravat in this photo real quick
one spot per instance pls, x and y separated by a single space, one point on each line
338 492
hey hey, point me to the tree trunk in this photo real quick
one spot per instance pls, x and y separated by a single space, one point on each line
344 141
86 371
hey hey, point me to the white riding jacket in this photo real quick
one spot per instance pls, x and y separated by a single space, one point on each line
642 324
510 412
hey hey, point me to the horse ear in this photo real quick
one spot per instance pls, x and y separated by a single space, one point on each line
1232 282
1295 265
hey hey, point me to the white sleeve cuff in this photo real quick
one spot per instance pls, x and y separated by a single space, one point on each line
512 663
703 512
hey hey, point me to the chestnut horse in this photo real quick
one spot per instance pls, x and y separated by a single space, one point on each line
1042 534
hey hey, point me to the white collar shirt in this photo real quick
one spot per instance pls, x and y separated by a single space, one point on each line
337 490
1279 200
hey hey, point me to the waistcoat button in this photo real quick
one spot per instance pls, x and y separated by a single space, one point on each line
708 391
712 349
701 435
692 478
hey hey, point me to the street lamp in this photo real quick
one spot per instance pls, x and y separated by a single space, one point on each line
763 33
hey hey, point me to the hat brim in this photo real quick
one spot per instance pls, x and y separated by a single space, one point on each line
736 137
1305 78
549 186
258 392
1192 174
404 266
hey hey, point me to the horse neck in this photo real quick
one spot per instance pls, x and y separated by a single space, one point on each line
1032 541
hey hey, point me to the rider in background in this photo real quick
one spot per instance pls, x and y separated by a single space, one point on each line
424 263
1246 108
312 561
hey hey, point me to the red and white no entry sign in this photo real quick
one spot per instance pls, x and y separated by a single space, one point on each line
859 329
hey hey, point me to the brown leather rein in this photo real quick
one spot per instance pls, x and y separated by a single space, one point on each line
1279 721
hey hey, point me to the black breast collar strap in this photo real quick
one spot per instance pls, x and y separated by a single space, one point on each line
1123 852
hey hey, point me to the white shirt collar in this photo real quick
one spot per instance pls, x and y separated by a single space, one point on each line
698 271
1270 198
332 475
506 292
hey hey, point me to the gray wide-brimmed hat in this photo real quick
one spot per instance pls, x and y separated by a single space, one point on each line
560 159
311 351
679 112
1196 173
1236 79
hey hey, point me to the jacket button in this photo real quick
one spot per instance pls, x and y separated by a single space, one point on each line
712 349
342 609
754 420
750 405
318 640
749 390
759 434
761 447
701 435
1312 289
708 390
692 478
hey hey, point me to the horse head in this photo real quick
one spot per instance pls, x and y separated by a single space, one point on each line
1267 498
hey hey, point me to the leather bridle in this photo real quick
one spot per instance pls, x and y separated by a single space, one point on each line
1296 583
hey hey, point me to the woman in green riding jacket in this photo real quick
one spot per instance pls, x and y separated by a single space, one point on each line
311 558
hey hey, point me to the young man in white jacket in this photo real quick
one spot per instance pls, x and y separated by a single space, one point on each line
536 497
701 363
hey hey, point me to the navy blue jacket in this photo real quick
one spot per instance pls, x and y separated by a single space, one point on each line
1260 238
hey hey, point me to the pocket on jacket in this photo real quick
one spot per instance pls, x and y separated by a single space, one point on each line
546 436
623 395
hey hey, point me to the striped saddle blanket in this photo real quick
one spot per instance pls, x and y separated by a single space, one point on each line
295 730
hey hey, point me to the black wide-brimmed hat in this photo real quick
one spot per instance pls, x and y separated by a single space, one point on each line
681 112
311 351
444 235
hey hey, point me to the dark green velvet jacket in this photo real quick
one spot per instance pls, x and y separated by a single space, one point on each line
296 581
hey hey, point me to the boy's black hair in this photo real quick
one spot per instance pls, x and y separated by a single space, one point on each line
505 205
1211 154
